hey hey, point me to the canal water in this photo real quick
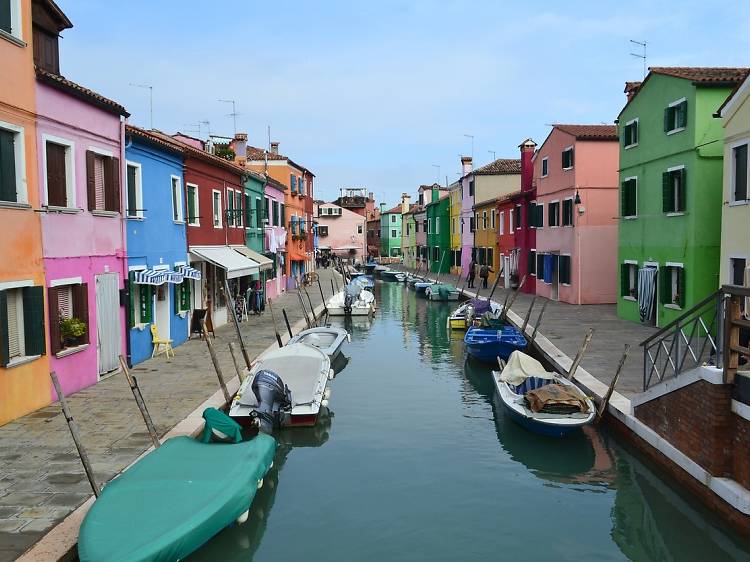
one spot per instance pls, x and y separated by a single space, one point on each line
418 462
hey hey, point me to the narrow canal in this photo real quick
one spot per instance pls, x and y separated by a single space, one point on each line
419 462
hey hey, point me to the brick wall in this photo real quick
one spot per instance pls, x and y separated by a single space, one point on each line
698 420
740 453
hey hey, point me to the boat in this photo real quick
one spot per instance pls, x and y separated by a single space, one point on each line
392 275
370 266
379 268
441 292
365 281
540 401
286 387
421 286
174 499
412 279
327 339
352 301
474 309
487 344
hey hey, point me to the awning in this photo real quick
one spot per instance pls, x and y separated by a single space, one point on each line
189 272
349 247
264 262
150 277
226 258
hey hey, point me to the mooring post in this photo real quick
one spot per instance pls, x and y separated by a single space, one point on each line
275 326
231 303
73 427
333 290
238 370
302 306
528 314
136 390
286 320
611 389
217 366
322 297
312 309
512 299
494 286
579 355
539 320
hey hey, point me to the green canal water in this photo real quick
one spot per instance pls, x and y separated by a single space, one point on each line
418 462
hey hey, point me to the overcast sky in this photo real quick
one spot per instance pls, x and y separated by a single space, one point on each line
376 94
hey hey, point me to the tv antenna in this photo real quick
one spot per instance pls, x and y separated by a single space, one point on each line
641 56
234 113
494 154
150 89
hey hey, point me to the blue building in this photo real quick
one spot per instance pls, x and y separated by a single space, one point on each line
158 265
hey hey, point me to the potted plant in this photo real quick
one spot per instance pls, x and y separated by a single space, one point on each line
71 331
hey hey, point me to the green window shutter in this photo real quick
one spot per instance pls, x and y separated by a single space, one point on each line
666 119
681 286
633 197
634 132
624 199
667 192
7 164
683 114
131 297
33 320
5 17
145 304
683 187
177 296
666 285
4 340
191 204
624 280
186 294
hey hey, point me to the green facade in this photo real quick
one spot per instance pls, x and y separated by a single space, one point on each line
390 233
685 243
254 213
409 240
439 234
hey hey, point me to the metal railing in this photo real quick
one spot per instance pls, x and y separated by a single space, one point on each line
709 333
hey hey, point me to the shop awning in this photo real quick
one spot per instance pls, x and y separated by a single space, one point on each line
150 277
264 262
189 272
235 264
349 247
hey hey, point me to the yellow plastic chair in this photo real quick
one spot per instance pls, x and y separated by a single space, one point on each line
159 343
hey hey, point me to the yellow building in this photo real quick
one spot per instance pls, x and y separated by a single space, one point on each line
456 227
485 237
735 215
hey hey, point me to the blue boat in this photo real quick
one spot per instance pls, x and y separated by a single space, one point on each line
365 281
370 266
487 344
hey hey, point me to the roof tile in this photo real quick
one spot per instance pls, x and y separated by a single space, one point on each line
79 91
500 166
589 132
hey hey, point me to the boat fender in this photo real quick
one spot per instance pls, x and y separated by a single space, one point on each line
349 338
324 403
260 483
331 374
326 393
242 518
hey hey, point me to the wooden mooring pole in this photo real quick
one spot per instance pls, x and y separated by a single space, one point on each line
579 355
539 320
312 309
611 389
231 302
528 315
238 370
322 297
494 286
217 366
136 390
286 321
302 306
73 427
275 326
512 299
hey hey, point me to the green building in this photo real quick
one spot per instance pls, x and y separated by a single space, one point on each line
390 227
670 191
438 232
254 223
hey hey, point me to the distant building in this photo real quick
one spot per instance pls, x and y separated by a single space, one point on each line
341 232
391 227
438 230
356 199
373 233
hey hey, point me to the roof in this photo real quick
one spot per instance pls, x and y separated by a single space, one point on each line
731 95
161 141
509 196
191 151
62 20
441 196
500 166
260 154
589 132
486 203
78 91
415 208
715 76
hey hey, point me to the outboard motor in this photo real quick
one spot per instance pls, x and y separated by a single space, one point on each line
273 396
351 294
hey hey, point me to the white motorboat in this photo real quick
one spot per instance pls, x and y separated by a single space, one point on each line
467 312
286 387
327 339
349 303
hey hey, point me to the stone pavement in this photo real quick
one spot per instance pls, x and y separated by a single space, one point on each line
565 325
41 477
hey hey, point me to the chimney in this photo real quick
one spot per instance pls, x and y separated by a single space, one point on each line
405 202
239 145
371 196
467 165
382 208
527 166
275 147
435 196
631 89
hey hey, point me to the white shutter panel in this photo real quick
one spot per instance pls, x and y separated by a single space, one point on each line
65 302
15 335
99 182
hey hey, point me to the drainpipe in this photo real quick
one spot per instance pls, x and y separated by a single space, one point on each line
124 257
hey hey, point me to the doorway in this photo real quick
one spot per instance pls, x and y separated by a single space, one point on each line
162 310
648 296
506 271
108 322
555 282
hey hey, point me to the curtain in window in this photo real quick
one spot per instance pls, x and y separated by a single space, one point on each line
646 292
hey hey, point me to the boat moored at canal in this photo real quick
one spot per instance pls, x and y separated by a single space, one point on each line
286 387
441 292
352 301
329 340
466 313
392 275
487 344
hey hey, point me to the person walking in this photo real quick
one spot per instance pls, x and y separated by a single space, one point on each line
484 274
472 273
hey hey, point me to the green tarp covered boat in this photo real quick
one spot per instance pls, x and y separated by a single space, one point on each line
174 500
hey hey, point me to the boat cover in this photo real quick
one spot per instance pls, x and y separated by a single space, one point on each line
173 500
556 399
219 421
521 366
480 306
443 289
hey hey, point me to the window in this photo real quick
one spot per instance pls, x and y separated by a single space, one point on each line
675 116
673 285
68 316
21 324
259 213
517 216
629 279
102 181
360 228
737 268
502 222
46 50
545 166
673 190
739 174
489 256
567 158
630 134
472 224
493 219
177 212
437 225
533 214
629 197
553 213
134 203
59 177
484 220
393 233
302 186
540 265
408 228
567 212
12 165
564 269
435 254
322 230
10 17
393 218
293 183
531 263
511 214
230 207
238 214
282 215
428 230
182 296
216 196
141 301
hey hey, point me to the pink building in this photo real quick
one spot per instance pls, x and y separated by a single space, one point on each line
275 235
341 231
576 176
80 145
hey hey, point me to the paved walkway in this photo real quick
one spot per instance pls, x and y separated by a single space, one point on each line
41 477
565 325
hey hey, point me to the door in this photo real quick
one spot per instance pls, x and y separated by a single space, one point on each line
162 312
108 322
506 272
555 286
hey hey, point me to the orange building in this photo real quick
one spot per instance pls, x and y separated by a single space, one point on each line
24 366
298 218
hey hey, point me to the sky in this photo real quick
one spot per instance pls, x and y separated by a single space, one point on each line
382 95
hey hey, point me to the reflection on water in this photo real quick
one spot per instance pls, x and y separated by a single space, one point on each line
421 463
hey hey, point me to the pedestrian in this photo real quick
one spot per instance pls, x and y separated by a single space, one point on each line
472 273
484 274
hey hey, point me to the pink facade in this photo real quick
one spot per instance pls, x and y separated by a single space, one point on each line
275 240
590 240
467 211
343 233
82 246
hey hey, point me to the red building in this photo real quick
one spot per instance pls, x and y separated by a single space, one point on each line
309 204
214 204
